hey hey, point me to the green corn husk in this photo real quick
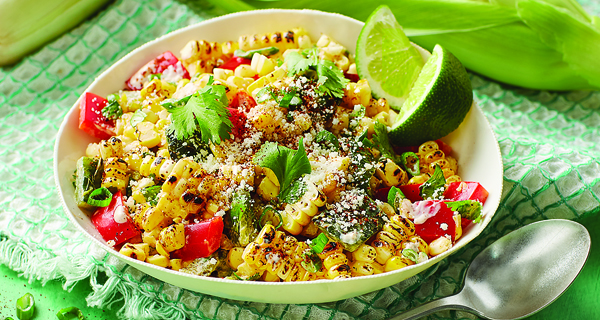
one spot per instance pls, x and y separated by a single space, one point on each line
27 24
537 44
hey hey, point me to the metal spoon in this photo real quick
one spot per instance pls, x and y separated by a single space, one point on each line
519 274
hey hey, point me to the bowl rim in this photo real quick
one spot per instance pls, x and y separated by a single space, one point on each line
134 262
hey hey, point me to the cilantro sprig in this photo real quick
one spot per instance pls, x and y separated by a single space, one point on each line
287 164
204 111
330 79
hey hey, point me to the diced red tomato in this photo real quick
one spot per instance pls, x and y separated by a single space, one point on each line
466 190
411 191
238 120
110 229
234 62
440 222
243 101
381 194
403 149
157 65
91 119
201 239
444 147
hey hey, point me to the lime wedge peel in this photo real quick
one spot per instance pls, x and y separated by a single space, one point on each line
438 102
386 58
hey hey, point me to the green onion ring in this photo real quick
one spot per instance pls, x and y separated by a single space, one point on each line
104 195
25 307
70 313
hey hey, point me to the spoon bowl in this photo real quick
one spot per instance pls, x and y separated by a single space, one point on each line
520 273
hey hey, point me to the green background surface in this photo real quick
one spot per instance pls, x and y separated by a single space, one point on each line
580 301
549 143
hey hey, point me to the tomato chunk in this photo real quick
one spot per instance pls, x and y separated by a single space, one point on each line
411 191
165 61
466 190
439 223
234 62
444 147
238 120
201 239
91 119
242 101
113 223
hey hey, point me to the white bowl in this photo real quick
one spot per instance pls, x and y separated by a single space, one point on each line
473 143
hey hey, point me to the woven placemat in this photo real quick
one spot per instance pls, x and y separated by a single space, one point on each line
548 142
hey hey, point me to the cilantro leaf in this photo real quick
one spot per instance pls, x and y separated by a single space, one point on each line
435 186
328 139
151 194
468 209
287 164
204 111
382 142
331 79
112 111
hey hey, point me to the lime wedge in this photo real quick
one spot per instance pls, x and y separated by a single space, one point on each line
386 58
438 102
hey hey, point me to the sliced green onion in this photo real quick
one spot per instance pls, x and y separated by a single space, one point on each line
155 76
267 209
100 197
70 313
268 51
410 162
137 117
319 243
25 307
311 261
411 254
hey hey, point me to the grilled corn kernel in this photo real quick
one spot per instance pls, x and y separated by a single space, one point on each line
439 246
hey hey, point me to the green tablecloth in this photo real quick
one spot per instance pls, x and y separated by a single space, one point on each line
548 142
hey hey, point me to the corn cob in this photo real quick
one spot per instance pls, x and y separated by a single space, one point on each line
44 20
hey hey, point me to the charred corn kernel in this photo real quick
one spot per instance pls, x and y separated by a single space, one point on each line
222 74
340 122
147 134
261 64
115 174
404 223
176 264
342 62
234 257
427 147
158 260
290 225
304 42
383 117
364 253
361 268
200 50
323 41
266 79
161 250
201 66
422 178
229 47
150 237
439 246
152 218
112 147
432 156
394 263
172 237
390 173
246 270
453 178
458 226
338 272
270 277
453 163
267 189
418 242
244 71
137 251
239 82
377 268
283 41
385 250
357 93
447 172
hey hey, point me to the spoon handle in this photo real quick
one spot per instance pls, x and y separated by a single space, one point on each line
454 302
